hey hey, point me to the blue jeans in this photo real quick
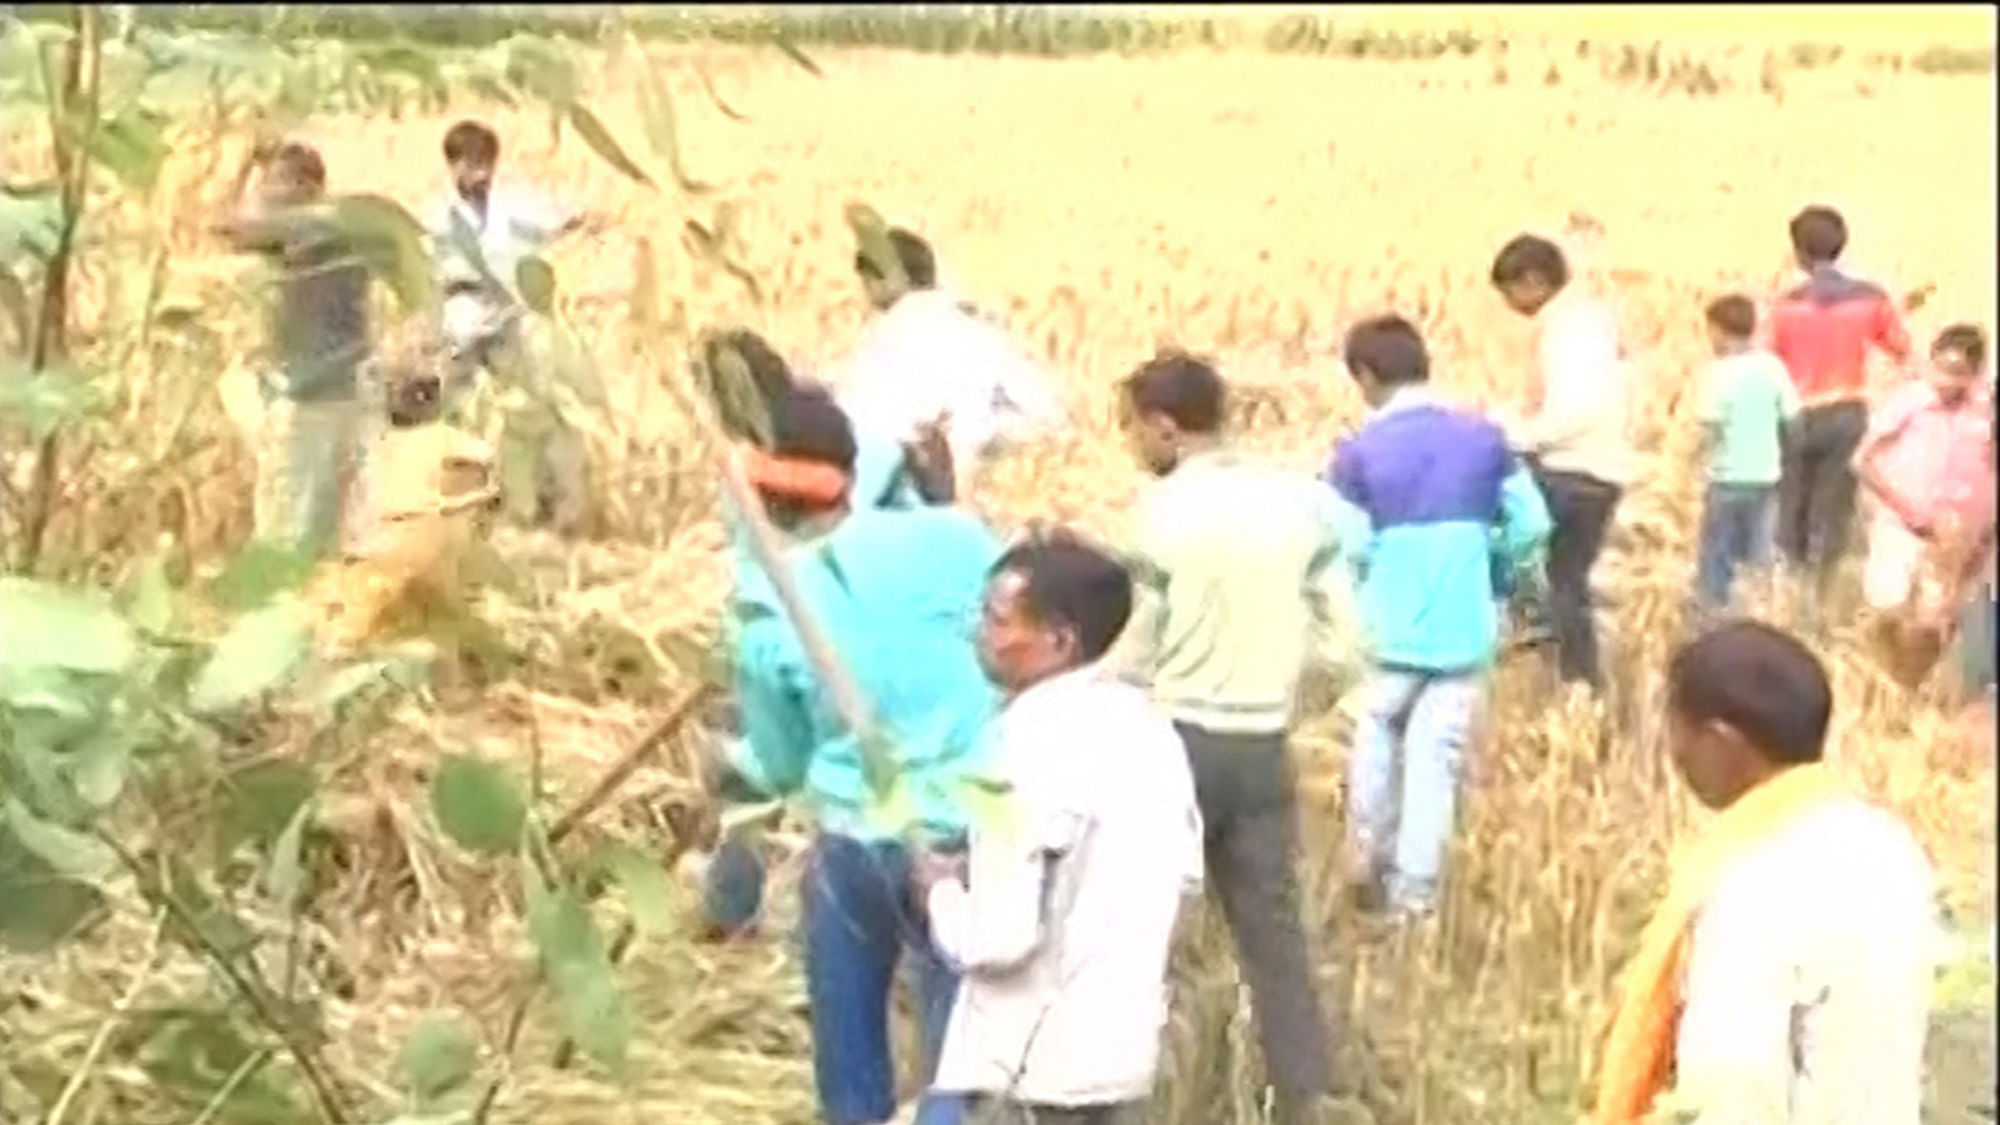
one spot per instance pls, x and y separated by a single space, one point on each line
1418 722
858 921
1739 527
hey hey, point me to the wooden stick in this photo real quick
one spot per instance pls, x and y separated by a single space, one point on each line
629 762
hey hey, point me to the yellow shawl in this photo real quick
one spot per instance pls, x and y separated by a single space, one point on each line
1639 1053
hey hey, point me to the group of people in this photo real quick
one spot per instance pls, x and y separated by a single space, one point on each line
1130 707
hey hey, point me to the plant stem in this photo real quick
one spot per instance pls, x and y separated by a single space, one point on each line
81 1075
325 1090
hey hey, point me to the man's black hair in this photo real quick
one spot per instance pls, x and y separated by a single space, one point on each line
302 160
1733 315
1760 680
1530 255
912 252
1819 234
1968 340
1185 388
807 425
1388 348
471 140
1069 583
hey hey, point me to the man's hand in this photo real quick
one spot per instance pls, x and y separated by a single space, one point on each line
929 868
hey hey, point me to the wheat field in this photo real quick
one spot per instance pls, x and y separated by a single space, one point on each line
1240 204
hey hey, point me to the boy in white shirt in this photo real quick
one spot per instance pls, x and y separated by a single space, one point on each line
1065 912
1747 404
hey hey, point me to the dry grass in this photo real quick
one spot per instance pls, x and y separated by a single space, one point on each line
1242 205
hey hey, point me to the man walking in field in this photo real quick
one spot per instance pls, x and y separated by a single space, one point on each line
1424 492
1063 915
898 595
480 235
1928 462
1823 329
1785 979
1233 558
926 360
313 423
1575 433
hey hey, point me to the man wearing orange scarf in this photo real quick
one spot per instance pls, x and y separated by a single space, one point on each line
1786 977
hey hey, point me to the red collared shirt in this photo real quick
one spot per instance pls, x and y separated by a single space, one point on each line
1823 328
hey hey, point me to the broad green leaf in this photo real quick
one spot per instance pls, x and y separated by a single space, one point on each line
149 596
656 110
15 318
393 244
438 1057
478 805
261 802
39 908
648 893
46 626
133 147
579 971
259 572
284 877
603 144
535 280
195 1055
68 853
207 921
31 222
39 694
871 234
46 400
100 765
258 654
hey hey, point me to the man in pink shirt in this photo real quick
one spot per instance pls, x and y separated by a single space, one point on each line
1927 460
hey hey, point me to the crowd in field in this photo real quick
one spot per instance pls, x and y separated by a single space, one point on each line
1119 717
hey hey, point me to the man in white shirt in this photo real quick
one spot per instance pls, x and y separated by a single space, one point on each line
1063 917
925 359
1786 978
479 236
1575 431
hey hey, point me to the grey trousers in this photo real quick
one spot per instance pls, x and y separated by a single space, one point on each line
1243 785
983 1110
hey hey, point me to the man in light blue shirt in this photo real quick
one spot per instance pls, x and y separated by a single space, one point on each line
1426 495
898 594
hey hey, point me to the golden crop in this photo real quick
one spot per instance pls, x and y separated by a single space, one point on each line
1248 206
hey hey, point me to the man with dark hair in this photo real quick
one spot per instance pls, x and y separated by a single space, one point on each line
897 594
1575 431
1063 915
1927 459
1228 553
315 427
927 369
1432 506
1786 976
1823 329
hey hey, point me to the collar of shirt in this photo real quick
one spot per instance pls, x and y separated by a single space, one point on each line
1408 398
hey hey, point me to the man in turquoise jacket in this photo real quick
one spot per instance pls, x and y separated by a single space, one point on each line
897 592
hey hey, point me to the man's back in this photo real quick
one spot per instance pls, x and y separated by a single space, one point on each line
1809 978
1430 481
1823 327
319 317
1233 545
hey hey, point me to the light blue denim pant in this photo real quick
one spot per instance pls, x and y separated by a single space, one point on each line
1416 724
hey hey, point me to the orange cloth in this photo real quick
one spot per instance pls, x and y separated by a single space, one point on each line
806 481
1639 1053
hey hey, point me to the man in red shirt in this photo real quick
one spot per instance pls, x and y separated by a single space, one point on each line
1823 329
